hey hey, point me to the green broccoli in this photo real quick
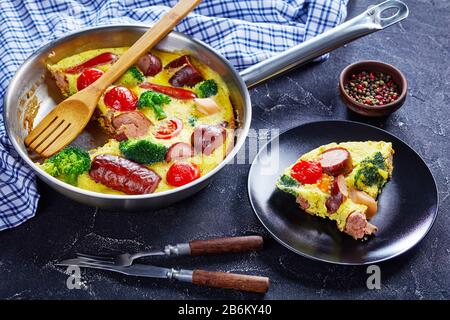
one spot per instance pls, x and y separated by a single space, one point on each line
132 77
206 88
368 171
143 151
68 164
154 100
288 181
192 120
288 184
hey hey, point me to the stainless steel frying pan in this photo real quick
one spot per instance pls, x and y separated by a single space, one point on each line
32 84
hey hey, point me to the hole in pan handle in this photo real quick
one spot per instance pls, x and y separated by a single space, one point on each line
389 12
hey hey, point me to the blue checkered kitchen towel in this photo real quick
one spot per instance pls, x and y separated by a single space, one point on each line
244 31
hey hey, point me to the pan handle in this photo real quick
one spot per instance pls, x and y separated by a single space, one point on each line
369 21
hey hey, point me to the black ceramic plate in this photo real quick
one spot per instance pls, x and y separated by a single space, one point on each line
407 207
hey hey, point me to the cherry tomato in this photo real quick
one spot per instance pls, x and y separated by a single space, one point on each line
169 128
307 172
181 173
88 77
121 99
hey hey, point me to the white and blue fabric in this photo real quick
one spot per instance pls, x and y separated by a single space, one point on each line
244 31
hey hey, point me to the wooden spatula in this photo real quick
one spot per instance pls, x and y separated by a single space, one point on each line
66 121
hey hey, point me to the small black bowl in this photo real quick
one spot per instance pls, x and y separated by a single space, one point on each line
373 66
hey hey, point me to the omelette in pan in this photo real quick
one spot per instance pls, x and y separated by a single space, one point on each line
169 120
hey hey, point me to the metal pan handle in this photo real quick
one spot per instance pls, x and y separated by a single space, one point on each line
369 21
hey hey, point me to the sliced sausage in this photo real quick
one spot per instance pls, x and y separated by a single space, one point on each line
149 64
123 175
335 198
178 151
333 202
304 204
207 138
357 225
131 124
186 76
336 161
178 62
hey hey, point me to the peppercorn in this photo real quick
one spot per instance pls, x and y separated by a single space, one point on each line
372 88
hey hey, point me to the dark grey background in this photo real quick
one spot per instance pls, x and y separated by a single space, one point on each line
419 46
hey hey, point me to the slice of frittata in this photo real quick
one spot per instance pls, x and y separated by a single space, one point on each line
341 182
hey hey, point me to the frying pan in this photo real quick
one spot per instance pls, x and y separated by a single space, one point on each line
32 87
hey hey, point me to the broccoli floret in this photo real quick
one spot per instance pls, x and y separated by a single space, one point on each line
143 151
154 100
288 181
368 173
288 184
132 77
192 120
207 88
68 164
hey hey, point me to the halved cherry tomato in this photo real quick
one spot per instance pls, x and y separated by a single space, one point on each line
176 93
87 77
121 99
181 173
307 172
103 58
169 128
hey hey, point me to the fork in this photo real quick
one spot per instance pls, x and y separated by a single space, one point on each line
193 248
66 121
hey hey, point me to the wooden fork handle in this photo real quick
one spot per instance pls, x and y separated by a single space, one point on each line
230 281
224 245
146 42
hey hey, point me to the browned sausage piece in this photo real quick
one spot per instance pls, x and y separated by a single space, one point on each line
178 62
357 225
207 138
336 161
304 204
186 76
149 64
123 175
335 198
131 124
178 151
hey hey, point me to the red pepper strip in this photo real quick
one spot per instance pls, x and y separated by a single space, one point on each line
176 93
104 58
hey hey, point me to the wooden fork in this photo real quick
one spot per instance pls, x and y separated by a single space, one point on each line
66 121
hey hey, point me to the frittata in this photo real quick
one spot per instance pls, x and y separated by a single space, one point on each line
341 182
169 113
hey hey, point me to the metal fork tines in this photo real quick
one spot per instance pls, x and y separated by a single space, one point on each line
195 247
